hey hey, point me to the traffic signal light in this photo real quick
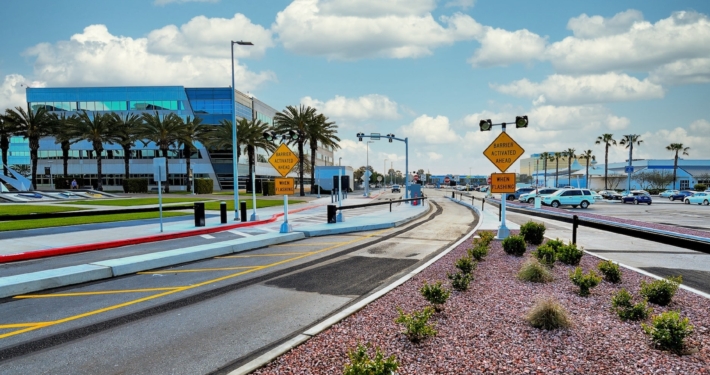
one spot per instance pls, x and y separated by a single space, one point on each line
390 136
359 136
485 125
293 135
521 121
269 136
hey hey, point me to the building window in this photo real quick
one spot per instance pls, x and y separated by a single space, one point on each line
684 184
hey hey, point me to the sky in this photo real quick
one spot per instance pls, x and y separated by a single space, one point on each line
428 70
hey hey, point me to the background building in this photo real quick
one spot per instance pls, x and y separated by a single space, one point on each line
209 104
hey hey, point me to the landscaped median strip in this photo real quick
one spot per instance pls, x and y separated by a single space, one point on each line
134 241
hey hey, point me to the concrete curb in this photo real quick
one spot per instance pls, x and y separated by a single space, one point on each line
41 280
134 241
269 356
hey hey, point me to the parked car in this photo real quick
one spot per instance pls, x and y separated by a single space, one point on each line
637 197
610 195
668 193
395 189
530 197
516 195
680 196
569 197
698 198
597 197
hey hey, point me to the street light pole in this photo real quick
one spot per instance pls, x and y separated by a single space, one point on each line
384 170
631 138
367 165
234 136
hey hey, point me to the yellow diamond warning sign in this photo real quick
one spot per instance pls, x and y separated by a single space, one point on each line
503 183
503 152
283 160
284 186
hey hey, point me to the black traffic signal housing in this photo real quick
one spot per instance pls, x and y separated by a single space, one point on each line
269 136
485 125
390 136
521 121
359 136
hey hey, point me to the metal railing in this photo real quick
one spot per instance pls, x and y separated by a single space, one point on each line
333 209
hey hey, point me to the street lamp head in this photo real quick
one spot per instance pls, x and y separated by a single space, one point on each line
521 121
485 125
243 43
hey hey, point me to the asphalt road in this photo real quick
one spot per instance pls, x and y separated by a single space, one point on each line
213 315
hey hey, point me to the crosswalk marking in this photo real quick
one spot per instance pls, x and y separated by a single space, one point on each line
238 233
207 236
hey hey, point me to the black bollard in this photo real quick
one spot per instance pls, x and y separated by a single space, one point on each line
199 214
332 214
223 212
575 225
243 211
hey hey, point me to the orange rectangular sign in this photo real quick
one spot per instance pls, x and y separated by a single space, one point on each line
503 183
284 186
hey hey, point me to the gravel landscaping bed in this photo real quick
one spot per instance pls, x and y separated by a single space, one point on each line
482 330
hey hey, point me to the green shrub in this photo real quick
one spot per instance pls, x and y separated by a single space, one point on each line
466 265
486 237
584 282
416 324
662 291
478 252
268 188
534 272
203 186
569 254
610 270
533 232
623 306
135 185
700 187
435 294
555 244
668 331
459 281
514 245
362 364
548 314
546 255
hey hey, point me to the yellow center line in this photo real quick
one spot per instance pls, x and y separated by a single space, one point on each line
314 244
21 325
196 270
177 289
260 255
95 293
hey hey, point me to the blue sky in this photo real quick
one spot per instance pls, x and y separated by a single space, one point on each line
425 69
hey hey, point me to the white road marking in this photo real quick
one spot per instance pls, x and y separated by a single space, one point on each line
238 233
207 236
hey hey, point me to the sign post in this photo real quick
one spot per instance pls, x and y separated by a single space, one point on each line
283 160
503 152
159 175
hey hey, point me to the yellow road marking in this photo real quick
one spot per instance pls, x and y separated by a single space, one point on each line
314 244
197 270
21 325
259 255
95 293
176 290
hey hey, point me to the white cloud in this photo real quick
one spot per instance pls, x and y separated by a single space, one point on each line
348 30
96 57
12 91
434 156
682 72
463 4
595 117
683 35
202 36
371 106
502 47
165 2
700 127
654 143
430 130
586 27
563 89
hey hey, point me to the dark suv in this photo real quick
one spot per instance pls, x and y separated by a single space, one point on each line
516 195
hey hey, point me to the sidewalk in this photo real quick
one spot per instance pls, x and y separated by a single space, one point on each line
80 273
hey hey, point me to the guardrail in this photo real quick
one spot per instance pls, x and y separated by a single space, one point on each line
333 209
58 215
669 238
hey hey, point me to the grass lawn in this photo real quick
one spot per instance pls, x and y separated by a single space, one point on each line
24 209
135 201
260 203
46 223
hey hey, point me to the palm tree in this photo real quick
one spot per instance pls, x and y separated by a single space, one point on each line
7 130
677 147
556 157
192 131
163 130
296 119
608 140
32 125
587 155
98 130
126 131
251 134
570 155
322 131
63 135
628 141
545 156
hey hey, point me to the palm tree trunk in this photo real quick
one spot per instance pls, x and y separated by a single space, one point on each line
606 166
569 171
5 146
544 165
675 167
313 169
167 172
34 147
126 167
188 153
99 165
557 171
250 157
587 175
300 162
65 158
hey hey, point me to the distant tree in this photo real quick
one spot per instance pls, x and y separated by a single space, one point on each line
63 135
297 120
320 130
97 129
659 179
677 147
545 156
23 169
164 131
643 179
127 127
31 125
570 155
7 130
192 131
608 140
556 157
587 155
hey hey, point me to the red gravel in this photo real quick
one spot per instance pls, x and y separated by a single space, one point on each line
482 330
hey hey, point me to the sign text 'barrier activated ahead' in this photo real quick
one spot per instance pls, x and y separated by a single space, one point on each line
503 183
503 152
283 160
